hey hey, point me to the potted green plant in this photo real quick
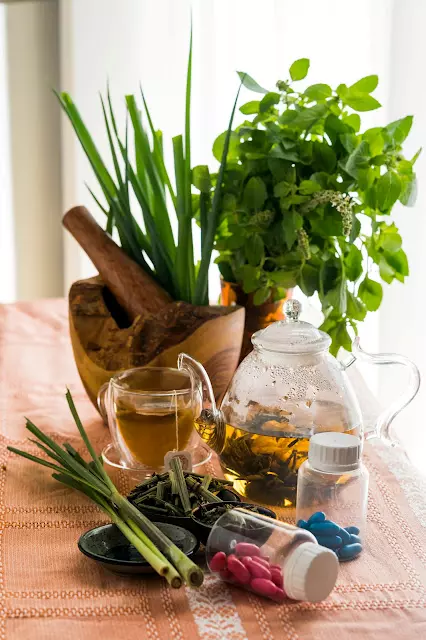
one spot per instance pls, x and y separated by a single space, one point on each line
152 300
307 200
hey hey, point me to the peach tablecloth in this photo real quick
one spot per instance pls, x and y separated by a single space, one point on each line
49 591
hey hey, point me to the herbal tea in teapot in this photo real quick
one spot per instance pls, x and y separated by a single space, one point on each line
286 390
263 457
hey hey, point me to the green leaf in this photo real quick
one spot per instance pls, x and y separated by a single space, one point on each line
387 273
268 101
353 121
365 85
309 280
324 157
388 188
398 261
308 117
389 240
341 337
408 195
250 277
234 145
353 263
349 141
250 108
291 222
299 69
355 308
261 295
282 189
359 158
309 186
371 294
255 193
248 82
201 178
415 156
284 278
318 92
254 250
375 140
361 102
399 129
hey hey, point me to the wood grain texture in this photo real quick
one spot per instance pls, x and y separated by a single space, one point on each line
213 335
134 289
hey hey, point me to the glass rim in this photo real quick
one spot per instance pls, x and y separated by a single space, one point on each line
158 394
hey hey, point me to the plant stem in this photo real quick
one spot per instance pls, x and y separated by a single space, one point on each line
191 573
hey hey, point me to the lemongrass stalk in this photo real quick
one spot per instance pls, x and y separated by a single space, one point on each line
157 561
172 576
190 572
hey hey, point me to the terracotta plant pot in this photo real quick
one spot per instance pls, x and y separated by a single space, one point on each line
105 340
257 317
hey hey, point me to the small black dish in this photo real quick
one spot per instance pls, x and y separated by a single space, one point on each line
108 546
260 534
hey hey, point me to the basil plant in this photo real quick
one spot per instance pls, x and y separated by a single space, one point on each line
308 196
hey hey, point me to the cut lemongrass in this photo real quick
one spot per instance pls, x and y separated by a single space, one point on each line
92 480
176 466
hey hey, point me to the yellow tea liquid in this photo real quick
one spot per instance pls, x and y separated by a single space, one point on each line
153 413
149 436
262 467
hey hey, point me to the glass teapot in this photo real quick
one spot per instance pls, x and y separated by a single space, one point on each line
288 388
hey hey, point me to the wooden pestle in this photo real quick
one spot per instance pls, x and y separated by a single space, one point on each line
133 288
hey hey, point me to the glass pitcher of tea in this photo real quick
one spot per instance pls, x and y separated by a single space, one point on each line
288 388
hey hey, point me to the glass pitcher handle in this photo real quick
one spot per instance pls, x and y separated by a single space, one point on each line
387 416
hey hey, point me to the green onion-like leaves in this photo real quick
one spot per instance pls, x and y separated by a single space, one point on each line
90 478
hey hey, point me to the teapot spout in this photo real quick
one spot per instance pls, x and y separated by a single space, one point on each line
210 423
386 418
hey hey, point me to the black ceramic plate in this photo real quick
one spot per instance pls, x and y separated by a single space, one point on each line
108 546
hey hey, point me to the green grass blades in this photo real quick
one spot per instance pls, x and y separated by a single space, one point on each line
142 204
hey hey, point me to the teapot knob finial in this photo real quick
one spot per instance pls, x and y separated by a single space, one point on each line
292 310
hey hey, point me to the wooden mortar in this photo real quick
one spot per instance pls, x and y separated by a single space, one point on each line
123 318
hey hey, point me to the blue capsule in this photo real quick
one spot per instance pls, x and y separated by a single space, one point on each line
319 516
324 528
355 539
353 530
345 535
331 542
302 524
349 551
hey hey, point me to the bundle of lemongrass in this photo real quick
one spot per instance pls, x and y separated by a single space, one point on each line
91 479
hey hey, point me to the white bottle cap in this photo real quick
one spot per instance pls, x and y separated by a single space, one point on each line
310 572
334 452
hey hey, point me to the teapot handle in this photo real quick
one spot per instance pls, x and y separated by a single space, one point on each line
387 416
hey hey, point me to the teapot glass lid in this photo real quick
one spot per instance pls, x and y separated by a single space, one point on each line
292 335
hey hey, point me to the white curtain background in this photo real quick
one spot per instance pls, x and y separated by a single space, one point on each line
79 45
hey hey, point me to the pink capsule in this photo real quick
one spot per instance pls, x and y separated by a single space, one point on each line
238 570
264 587
258 571
218 562
247 549
261 561
277 577
245 560
225 574
280 595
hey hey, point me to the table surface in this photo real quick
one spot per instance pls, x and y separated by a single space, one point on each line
49 590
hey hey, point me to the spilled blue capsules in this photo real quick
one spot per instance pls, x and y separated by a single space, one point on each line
344 541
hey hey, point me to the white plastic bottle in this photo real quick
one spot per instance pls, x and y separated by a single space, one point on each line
332 493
